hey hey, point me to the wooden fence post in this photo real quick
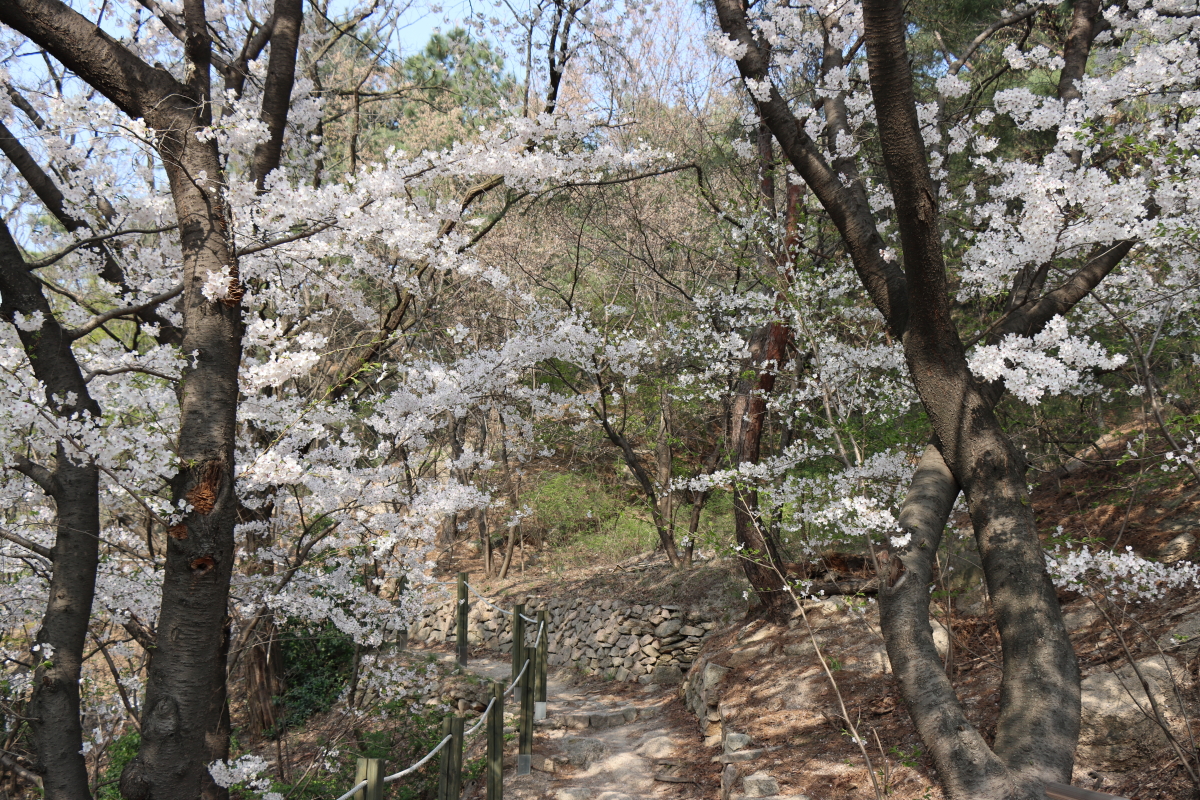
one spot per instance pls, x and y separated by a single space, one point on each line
539 676
371 771
525 726
460 631
443 791
518 647
495 744
456 758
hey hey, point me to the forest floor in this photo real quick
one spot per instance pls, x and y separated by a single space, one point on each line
601 740
788 705
776 692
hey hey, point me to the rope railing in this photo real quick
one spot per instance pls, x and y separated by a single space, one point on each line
471 589
419 764
528 686
361 785
512 686
482 718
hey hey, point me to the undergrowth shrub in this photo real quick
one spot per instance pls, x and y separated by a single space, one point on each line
120 753
316 667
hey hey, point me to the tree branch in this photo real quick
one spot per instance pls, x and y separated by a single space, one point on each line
98 320
48 260
142 634
17 538
848 208
277 93
987 34
92 54
27 775
123 370
43 477
291 237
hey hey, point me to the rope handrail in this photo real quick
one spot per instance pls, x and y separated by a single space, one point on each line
517 679
471 589
482 718
352 792
414 767
487 712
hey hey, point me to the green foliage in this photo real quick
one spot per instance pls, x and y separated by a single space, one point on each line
120 753
459 72
570 505
316 666
908 759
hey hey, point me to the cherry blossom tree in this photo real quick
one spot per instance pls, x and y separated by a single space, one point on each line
201 392
1043 233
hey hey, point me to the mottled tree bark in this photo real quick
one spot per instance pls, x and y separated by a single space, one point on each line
73 483
185 724
1039 718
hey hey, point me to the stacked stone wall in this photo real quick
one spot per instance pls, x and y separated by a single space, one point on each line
645 643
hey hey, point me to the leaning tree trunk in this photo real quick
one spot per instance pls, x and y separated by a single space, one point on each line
1039 716
73 484
1039 698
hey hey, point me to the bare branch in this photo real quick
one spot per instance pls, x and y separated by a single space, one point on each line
122 370
48 260
116 674
26 107
17 538
98 320
138 630
291 237
987 33
27 775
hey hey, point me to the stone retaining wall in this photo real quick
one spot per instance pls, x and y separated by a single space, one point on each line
646 643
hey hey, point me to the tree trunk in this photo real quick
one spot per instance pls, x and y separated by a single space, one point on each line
1039 716
74 486
761 559
264 680
514 529
1039 698
264 661
186 721
759 551
666 536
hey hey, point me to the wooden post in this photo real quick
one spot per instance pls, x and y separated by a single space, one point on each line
495 744
539 676
371 771
456 758
443 791
525 726
460 631
518 646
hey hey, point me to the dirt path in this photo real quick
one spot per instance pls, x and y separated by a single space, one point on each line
603 740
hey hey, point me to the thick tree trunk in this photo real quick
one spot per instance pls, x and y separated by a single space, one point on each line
186 722
74 486
1039 718
1039 697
